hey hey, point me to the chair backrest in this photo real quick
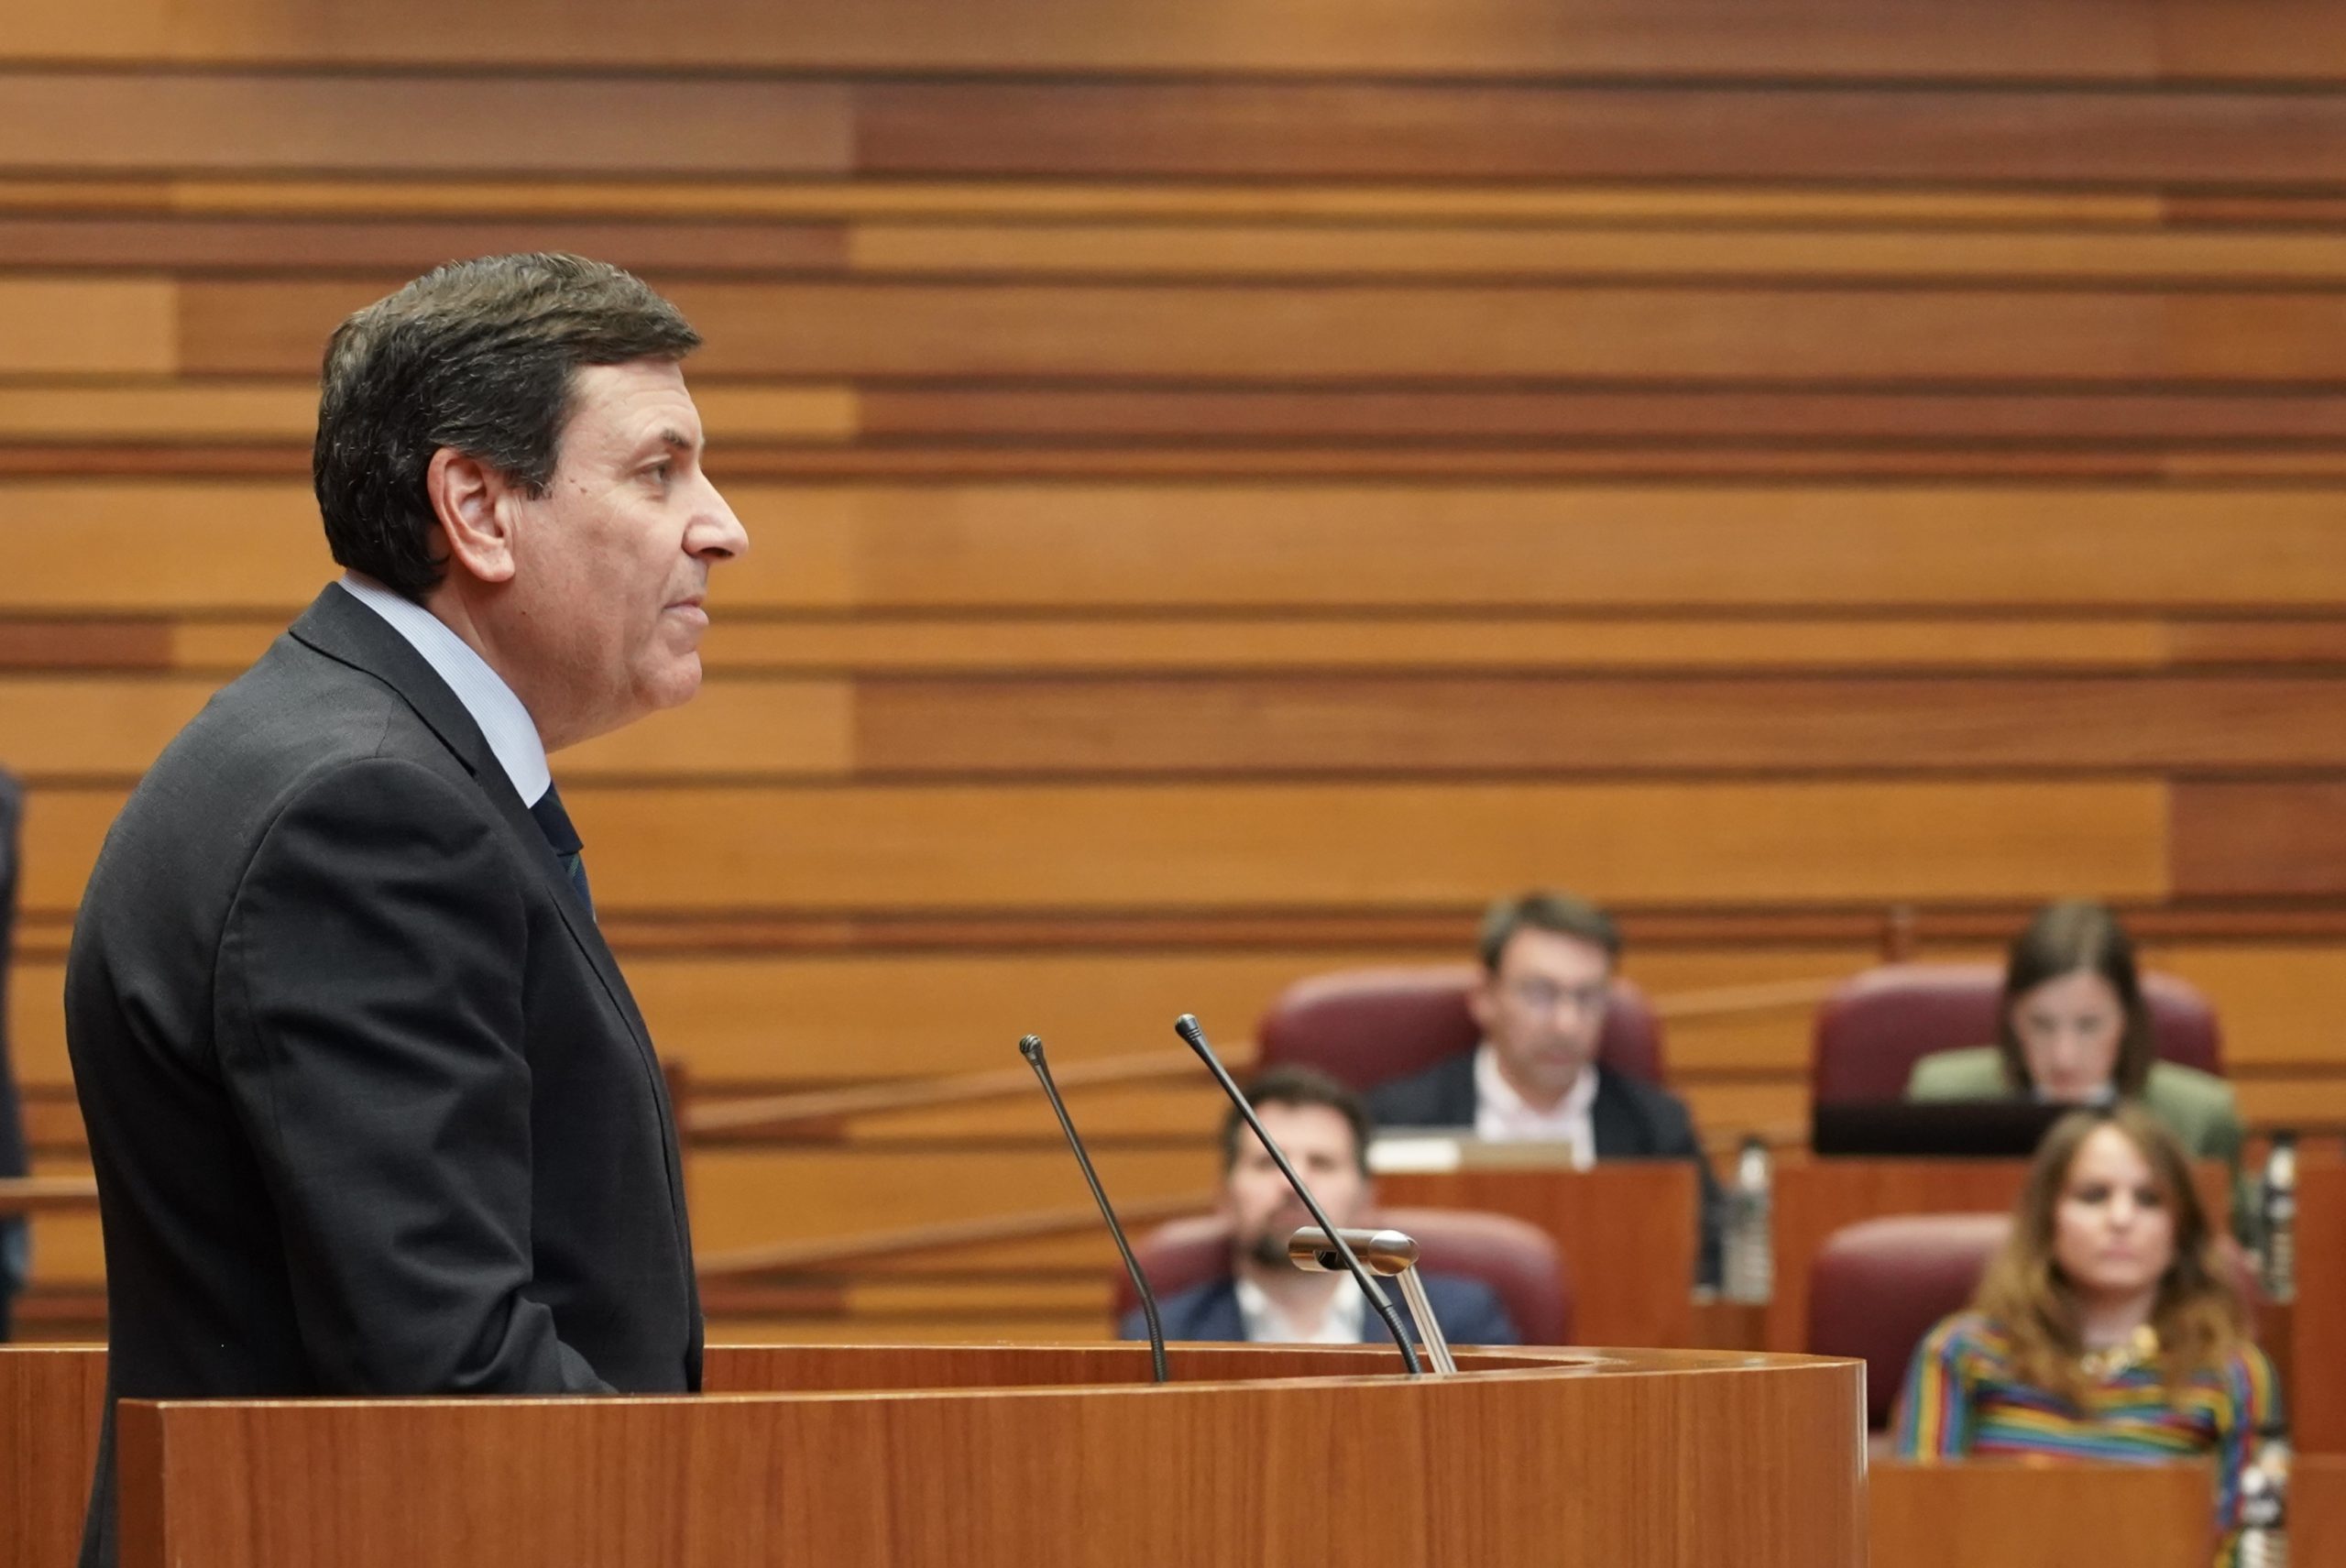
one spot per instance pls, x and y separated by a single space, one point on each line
1877 1287
1368 1027
1872 1032
1518 1260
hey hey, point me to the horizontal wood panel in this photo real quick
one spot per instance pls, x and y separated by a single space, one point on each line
286 412
1331 250
129 545
1349 332
1369 725
1432 415
82 326
198 243
1441 201
1431 419
749 728
1575 131
1595 546
1272 247
896 645
746 1198
2290 40
1228 846
2237 838
106 643
167 122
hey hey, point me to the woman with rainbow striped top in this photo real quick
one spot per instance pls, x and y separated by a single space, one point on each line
2107 1329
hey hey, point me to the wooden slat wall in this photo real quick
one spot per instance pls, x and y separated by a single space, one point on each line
1231 493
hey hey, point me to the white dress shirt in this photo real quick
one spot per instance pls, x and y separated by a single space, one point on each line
1346 1316
505 724
1502 1115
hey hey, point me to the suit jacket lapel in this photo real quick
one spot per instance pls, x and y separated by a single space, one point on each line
1614 1121
344 629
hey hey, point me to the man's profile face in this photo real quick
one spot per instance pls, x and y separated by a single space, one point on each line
611 563
1262 1209
1543 1010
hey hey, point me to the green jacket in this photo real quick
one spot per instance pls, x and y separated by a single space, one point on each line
2197 1106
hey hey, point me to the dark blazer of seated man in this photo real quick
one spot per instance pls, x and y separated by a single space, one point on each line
1548 960
1323 1127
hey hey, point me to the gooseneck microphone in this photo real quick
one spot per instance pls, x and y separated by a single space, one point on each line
1031 1047
1186 1026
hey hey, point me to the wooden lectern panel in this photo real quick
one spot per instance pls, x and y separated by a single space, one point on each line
1656 1460
51 1398
1627 1231
2011 1515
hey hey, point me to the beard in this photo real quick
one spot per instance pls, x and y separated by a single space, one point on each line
1269 1247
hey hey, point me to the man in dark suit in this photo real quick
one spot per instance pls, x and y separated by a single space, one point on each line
1548 960
1324 1130
371 1108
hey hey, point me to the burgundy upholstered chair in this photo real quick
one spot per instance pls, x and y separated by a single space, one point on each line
1872 1032
1518 1261
1369 1027
1877 1287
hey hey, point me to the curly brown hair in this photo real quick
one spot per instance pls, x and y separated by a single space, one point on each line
2198 1316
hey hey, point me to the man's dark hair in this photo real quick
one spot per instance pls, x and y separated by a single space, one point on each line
478 356
1298 1085
1563 912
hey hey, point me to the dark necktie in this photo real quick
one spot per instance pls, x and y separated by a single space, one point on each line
563 839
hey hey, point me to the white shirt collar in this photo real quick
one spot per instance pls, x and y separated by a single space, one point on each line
504 723
1503 1115
1346 1316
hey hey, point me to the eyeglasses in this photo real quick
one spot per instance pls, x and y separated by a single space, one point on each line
1537 995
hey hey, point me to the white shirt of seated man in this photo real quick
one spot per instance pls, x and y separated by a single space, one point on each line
1279 1304
1542 1012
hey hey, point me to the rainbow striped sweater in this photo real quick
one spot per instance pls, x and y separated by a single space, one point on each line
1963 1397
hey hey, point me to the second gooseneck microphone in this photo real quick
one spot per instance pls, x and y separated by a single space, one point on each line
1186 1026
1031 1047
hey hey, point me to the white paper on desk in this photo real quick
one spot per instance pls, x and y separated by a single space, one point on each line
1390 1156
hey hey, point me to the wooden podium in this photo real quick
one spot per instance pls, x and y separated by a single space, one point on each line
976 1455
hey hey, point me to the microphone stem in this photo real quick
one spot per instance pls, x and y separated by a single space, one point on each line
1195 1038
1032 1049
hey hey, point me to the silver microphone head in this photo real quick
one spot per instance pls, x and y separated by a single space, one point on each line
1381 1252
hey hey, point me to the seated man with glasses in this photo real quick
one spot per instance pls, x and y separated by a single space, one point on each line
1548 960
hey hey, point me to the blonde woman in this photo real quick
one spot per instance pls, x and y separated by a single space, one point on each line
2108 1328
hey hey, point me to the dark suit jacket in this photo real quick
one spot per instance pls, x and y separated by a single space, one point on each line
1633 1119
1470 1313
12 1127
371 1109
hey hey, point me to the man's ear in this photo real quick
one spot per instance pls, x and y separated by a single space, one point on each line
1483 1000
472 501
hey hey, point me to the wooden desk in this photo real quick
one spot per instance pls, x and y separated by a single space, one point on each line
2317 1361
2317 1510
1814 1198
1627 1231
1982 1512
